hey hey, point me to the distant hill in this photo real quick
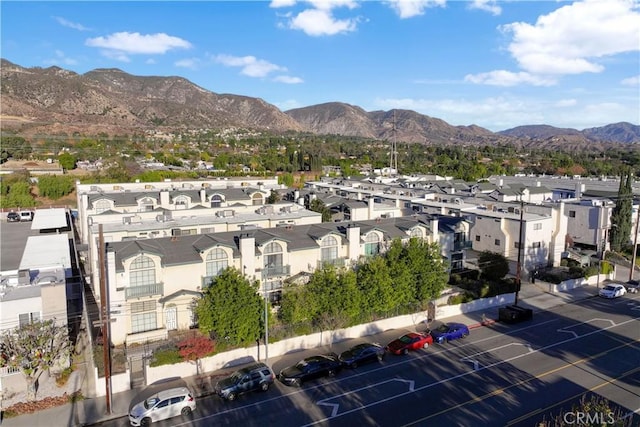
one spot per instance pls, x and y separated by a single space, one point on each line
54 101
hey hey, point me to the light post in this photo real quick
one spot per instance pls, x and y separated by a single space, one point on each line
266 318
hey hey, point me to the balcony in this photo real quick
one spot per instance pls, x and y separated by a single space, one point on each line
460 246
143 291
336 262
277 270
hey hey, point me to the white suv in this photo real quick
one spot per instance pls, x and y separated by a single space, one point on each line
162 405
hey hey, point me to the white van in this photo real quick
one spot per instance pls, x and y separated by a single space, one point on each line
162 405
25 216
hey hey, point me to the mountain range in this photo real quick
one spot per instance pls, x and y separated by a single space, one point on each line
55 101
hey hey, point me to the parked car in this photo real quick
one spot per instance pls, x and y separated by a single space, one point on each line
449 331
161 406
323 365
361 353
613 290
632 286
410 341
256 376
26 215
13 217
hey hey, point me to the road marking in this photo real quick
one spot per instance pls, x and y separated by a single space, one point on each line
335 406
476 364
464 374
575 334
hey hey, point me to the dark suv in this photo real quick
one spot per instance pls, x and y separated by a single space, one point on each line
13 217
256 376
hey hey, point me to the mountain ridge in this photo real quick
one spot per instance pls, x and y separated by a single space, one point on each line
53 100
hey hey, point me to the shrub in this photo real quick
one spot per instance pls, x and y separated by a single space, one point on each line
63 377
196 347
165 356
460 299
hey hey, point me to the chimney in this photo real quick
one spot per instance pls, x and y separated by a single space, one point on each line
248 254
203 195
579 190
500 182
370 203
353 237
164 199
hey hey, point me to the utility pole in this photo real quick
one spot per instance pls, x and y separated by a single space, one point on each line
106 326
635 243
520 243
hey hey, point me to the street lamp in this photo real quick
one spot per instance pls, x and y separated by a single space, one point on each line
266 317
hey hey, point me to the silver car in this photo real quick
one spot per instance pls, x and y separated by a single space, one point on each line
614 290
162 405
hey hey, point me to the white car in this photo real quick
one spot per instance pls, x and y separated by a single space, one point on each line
614 290
161 406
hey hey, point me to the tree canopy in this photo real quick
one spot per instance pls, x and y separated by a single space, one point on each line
231 309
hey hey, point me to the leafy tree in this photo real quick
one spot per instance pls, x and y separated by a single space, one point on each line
317 205
427 268
493 266
67 161
231 308
403 277
274 197
621 213
15 147
55 186
376 284
34 348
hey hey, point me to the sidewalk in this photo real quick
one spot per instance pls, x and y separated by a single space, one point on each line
92 411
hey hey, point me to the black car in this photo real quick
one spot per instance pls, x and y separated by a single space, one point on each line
323 365
13 217
256 376
362 353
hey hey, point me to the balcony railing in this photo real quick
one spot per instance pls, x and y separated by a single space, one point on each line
336 262
458 246
278 270
143 291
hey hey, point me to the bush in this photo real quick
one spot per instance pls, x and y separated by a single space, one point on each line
460 298
165 356
63 377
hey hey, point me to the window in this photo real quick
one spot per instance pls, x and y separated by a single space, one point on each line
537 226
329 249
102 205
477 237
372 244
27 318
496 242
416 232
216 201
273 257
257 199
146 204
217 261
142 272
536 245
572 214
516 245
143 316
181 202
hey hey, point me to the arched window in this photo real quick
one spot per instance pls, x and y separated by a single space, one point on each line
102 205
142 271
181 202
273 258
372 244
417 233
217 261
257 199
146 204
329 251
216 201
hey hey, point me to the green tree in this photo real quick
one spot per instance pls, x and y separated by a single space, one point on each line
67 161
428 270
35 348
55 186
402 276
274 197
376 284
317 205
621 213
493 266
231 309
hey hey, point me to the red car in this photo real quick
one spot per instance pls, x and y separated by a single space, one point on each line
410 341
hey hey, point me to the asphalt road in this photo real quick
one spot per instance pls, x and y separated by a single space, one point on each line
499 376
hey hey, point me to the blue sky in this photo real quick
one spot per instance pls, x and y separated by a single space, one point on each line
490 63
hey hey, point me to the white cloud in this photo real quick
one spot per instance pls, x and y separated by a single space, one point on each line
508 78
332 4
321 22
115 55
136 43
60 58
490 6
150 61
572 38
288 79
251 66
191 63
69 24
410 8
631 81
289 104
281 3
566 103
